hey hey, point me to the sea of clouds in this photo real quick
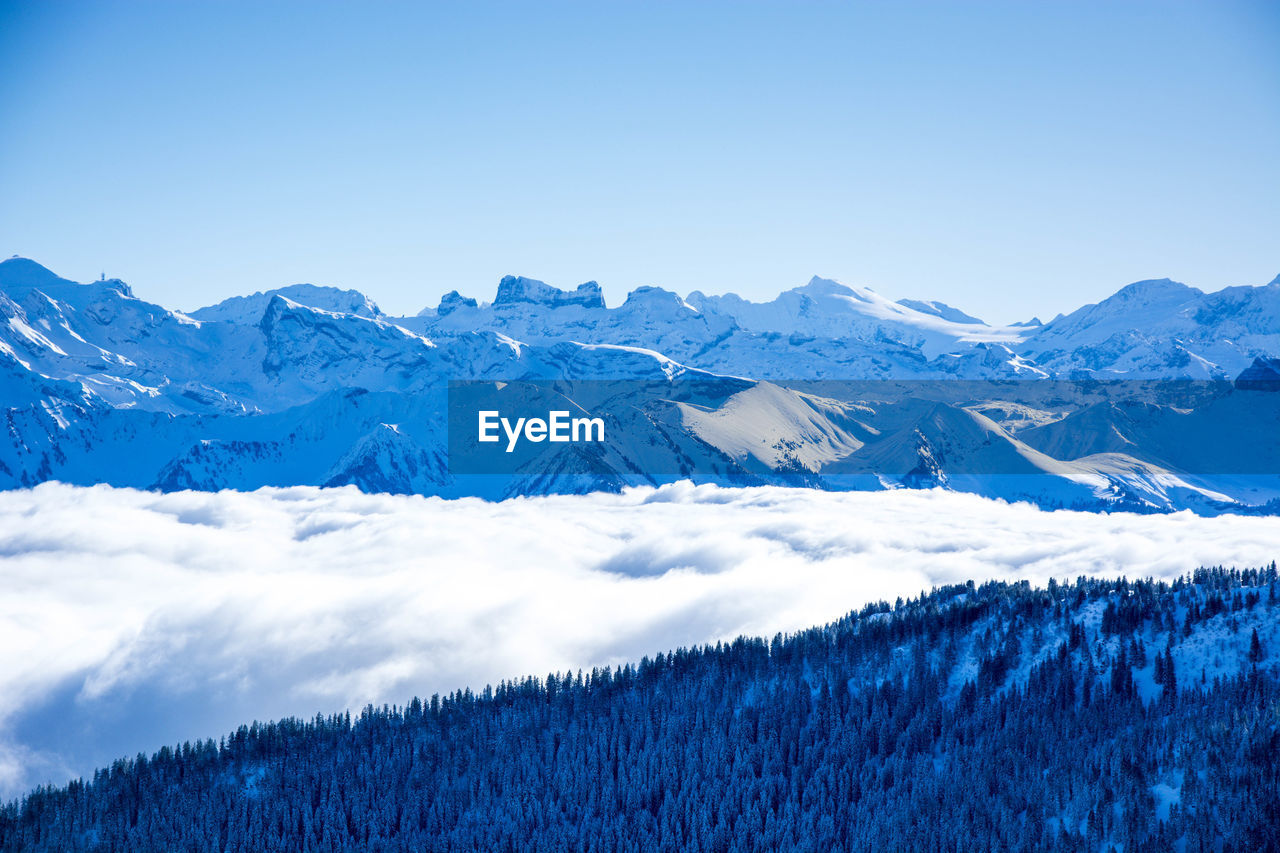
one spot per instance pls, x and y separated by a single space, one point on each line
132 619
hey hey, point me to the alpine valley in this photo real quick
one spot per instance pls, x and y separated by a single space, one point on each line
1161 397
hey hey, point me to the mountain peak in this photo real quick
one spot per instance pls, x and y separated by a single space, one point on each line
24 272
249 309
514 289
452 301
1153 289
656 296
820 286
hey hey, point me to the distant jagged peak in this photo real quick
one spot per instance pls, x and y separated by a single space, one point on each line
650 298
704 301
284 318
517 289
946 312
280 306
452 301
248 310
332 299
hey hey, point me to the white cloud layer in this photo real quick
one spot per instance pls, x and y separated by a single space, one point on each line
129 619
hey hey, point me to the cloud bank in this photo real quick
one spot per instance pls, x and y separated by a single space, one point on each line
132 619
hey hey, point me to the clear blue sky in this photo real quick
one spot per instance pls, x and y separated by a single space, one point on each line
1009 158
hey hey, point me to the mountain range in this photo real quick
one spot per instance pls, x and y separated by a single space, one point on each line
828 385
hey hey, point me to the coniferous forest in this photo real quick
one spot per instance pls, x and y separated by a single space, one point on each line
1098 715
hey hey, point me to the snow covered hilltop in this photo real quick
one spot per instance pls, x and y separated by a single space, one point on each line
311 385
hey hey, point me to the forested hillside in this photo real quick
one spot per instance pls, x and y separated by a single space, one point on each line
1102 714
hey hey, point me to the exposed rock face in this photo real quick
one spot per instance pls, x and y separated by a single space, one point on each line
516 289
1262 375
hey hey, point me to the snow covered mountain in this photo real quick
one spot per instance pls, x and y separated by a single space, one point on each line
1163 328
827 309
827 385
